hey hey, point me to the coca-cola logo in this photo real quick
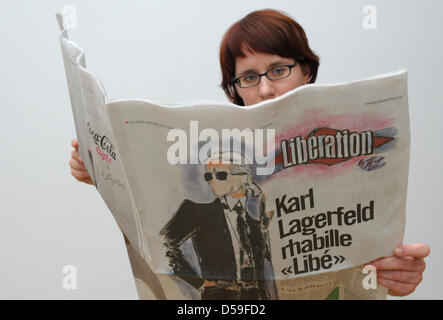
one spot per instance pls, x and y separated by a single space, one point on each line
102 141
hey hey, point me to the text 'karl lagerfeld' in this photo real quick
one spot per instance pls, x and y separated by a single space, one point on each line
316 232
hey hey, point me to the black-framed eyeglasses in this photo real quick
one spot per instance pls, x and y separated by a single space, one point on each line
275 73
222 175
219 175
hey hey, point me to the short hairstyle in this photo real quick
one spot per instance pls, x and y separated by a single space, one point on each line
265 31
239 163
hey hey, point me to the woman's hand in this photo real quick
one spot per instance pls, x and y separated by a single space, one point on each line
402 273
78 169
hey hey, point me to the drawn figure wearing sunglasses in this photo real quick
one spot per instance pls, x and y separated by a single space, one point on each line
229 235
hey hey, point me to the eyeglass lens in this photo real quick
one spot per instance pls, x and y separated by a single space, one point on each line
275 73
219 175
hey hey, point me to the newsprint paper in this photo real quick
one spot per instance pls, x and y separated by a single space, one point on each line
285 199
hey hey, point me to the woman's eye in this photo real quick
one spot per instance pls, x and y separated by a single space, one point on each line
278 71
250 78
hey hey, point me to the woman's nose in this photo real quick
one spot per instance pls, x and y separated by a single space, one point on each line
266 89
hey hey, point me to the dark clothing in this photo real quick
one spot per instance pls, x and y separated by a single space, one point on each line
235 290
206 225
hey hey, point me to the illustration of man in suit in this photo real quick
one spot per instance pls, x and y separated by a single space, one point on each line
229 235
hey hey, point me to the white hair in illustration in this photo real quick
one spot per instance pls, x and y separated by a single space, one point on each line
240 165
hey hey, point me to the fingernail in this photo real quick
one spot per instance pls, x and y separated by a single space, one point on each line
398 251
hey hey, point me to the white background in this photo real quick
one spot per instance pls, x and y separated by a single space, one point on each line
168 51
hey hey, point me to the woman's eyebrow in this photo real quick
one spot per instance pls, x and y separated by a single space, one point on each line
277 63
246 72
273 64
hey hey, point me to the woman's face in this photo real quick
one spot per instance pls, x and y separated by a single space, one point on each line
258 62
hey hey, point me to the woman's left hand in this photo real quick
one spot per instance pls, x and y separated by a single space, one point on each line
402 273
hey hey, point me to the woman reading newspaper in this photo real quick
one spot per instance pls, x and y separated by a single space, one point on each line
263 56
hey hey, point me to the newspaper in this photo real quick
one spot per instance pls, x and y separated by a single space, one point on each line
285 199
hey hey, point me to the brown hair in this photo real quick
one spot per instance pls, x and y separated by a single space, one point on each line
266 31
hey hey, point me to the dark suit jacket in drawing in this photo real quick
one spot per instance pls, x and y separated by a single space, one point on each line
206 225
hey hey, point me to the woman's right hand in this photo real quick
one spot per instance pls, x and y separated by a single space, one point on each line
78 169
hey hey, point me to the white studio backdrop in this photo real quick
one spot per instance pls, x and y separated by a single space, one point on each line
168 51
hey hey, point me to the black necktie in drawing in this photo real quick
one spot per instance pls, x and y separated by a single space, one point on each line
245 248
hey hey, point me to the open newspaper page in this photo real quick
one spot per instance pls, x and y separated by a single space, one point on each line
320 185
96 142
285 199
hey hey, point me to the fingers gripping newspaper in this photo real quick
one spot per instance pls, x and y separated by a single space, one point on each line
285 199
